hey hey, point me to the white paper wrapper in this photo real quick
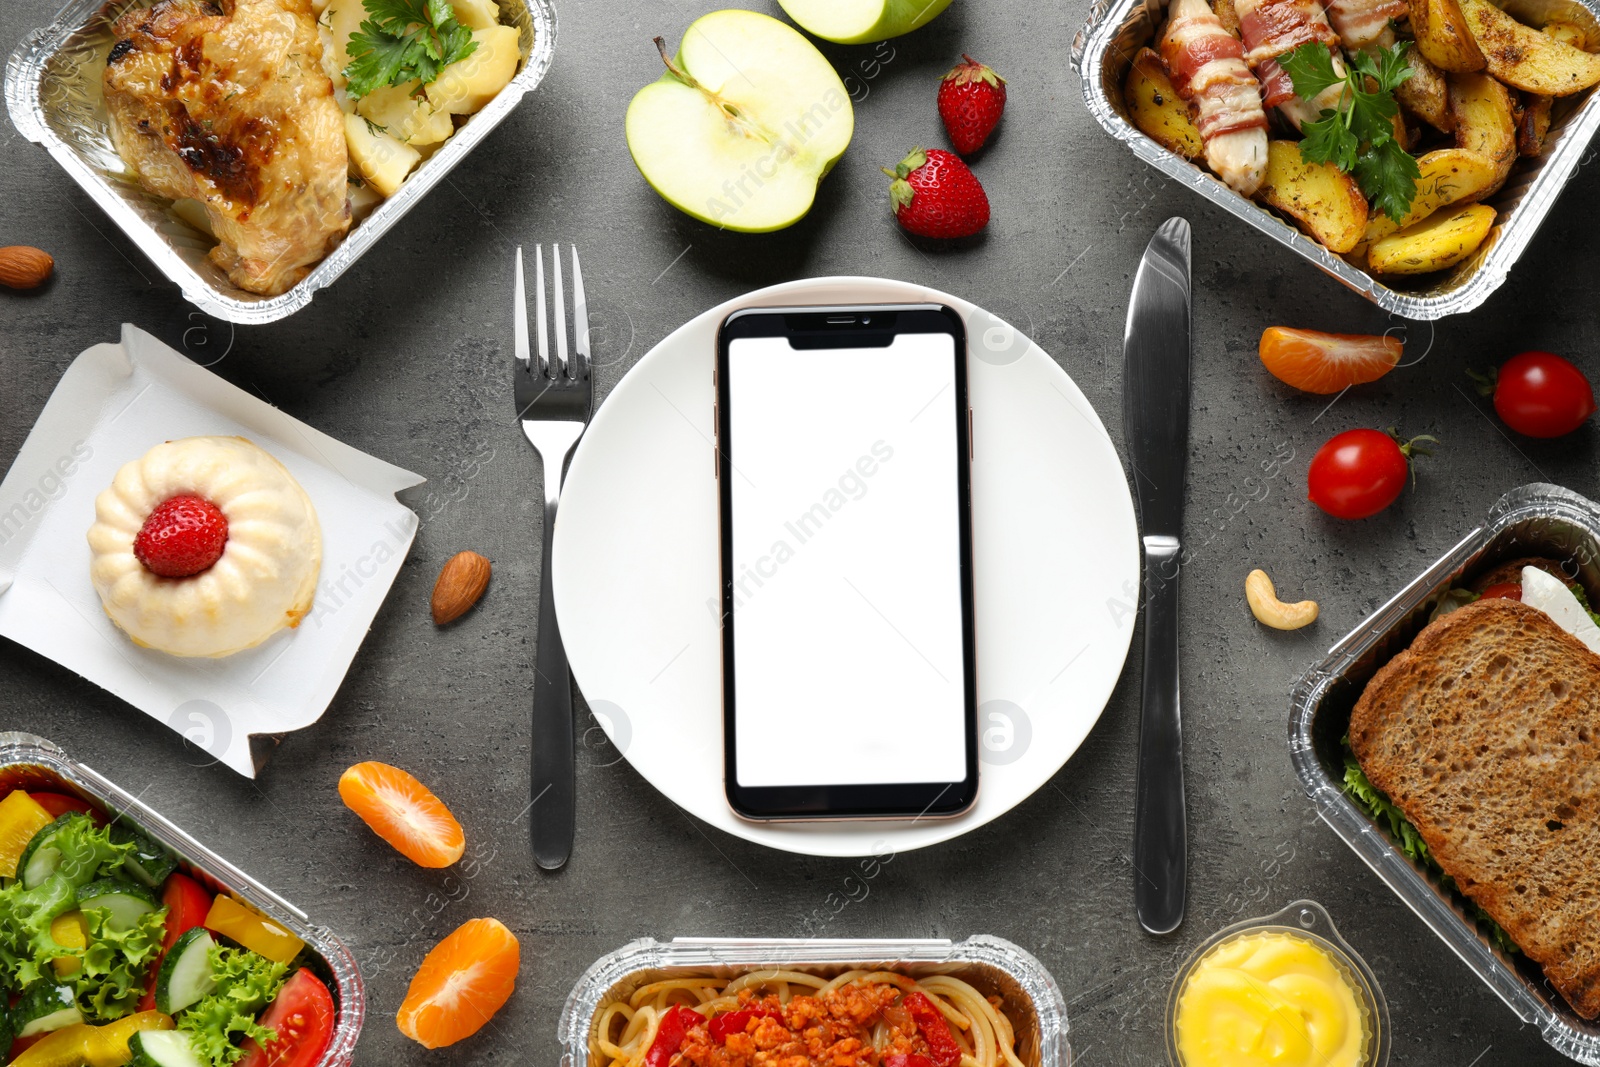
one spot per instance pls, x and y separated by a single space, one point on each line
113 404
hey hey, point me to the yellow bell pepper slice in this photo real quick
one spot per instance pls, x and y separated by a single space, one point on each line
92 1046
69 931
253 930
20 818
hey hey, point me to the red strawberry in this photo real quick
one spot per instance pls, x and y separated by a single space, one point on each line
183 536
935 195
971 98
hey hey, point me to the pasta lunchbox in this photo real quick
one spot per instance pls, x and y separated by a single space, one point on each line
917 1000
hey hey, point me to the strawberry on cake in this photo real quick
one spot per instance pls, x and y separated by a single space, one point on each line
204 547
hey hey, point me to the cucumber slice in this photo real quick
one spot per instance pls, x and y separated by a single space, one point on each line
44 1008
163 1048
185 974
40 858
124 901
6 1034
150 863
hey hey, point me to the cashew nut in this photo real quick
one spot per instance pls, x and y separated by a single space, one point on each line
1270 611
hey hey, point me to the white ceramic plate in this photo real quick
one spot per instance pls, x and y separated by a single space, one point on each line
1056 570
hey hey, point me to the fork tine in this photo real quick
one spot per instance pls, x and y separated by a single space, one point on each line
580 317
519 313
561 316
543 368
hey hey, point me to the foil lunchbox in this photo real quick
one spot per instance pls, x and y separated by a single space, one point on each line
1115 31
992 965
1534 520
53 94
30 762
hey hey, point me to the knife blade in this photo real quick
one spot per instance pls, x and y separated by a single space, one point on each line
1155 396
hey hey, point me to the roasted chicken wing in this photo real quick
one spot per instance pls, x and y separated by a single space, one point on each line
228 103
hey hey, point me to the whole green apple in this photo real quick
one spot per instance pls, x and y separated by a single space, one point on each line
862 21
743 124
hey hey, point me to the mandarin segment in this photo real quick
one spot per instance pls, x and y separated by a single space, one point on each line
403 812
1327 362
462 982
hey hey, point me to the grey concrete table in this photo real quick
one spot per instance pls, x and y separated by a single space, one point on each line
405 357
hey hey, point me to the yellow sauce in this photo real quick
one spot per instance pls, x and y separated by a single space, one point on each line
1269 1000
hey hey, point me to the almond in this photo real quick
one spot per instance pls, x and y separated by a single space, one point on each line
23 267
460 584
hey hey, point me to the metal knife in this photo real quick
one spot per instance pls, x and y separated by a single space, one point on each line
1155 398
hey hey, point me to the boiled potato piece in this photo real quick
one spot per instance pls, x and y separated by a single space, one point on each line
1426 94
1449 176
343 18
405 117
1443 36
1325 201
380 159
1485 122
1156 107
1526 59
1441 240
467 84
476 14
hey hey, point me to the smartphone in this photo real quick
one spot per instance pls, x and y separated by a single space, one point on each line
843 458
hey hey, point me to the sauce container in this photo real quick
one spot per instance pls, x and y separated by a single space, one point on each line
1306 921
29 762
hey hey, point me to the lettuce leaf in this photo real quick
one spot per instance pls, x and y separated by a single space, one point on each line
246 983
1382 810
26 946
116 964
87 851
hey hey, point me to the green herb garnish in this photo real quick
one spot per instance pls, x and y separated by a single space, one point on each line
405 40
1358 137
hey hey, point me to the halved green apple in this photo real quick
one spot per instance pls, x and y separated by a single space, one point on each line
742 125
862 21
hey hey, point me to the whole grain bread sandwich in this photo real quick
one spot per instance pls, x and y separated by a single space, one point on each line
1486 734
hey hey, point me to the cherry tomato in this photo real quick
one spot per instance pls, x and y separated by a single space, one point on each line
1360 472
1503 591
58 804
302 1017
1542 395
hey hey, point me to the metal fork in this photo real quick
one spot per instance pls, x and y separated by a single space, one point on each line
554 401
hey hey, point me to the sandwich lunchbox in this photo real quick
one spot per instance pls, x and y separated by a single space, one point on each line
1534 520
1028 994
53 95
32 763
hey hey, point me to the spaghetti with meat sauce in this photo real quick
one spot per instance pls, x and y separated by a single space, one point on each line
777 1018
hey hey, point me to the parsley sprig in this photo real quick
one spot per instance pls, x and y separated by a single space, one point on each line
1358 137
402 40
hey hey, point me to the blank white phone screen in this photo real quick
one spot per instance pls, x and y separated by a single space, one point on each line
848 665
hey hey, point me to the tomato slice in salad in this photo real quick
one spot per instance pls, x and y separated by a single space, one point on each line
187 903
59 804
302 1017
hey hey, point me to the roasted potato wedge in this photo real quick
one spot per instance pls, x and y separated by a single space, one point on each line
1444 37
1568 33
1156 107
1528 59
1426 94
1441 240
1485 122
1449 176
1326 202
1228 15
1533 126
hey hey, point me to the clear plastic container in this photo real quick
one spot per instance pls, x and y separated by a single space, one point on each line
1534 520
995 967
30 762
1309 921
